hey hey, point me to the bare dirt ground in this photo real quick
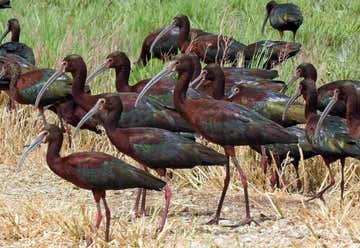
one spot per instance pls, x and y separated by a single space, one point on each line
38 209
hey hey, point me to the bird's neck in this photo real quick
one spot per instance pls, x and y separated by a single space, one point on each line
197 70
15 34
53 152
183 40
352 108
181 89
311 103
112 119
122 79
218 87
81 98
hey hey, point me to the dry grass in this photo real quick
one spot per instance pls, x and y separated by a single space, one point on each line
38 209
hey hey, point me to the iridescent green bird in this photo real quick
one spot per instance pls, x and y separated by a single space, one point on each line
14 46
286 16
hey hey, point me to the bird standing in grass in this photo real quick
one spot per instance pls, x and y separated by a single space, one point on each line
225 123
93 171
285 16
14 46
334 141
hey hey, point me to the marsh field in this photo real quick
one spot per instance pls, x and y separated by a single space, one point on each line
39 209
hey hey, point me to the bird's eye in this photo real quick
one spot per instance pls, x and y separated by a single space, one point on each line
64 63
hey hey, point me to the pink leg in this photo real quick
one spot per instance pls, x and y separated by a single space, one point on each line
216 218
108 218
167 204
98 216
248 218
264 159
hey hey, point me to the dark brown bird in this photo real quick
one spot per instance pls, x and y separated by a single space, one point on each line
347 93
267 53
122 67
24 88
4 4
225 123
334 141
269 104
14 46
155 148
93 171
165 47
285 16
209 48
266 102
148 114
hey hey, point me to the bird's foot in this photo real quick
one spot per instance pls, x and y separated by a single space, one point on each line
139 214
89 241
319 195
215 220
247 221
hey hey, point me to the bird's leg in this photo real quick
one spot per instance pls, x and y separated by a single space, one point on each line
136 205
143 199
298 180
332 182
248 218
64 126
342 183
215 220
281 34
97 196
264 159
141 192
162 174
108 218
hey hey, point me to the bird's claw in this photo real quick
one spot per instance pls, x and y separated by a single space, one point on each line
214 221
247 221
319 195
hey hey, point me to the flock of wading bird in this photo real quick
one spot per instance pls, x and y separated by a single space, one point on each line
155 120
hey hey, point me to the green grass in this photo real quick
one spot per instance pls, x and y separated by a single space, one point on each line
94 28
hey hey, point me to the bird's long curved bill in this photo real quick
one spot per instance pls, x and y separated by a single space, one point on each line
289 84
37 141
264 23
164 72
161 34
50 81
88 115
100 69
326 111
4 35
293 98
